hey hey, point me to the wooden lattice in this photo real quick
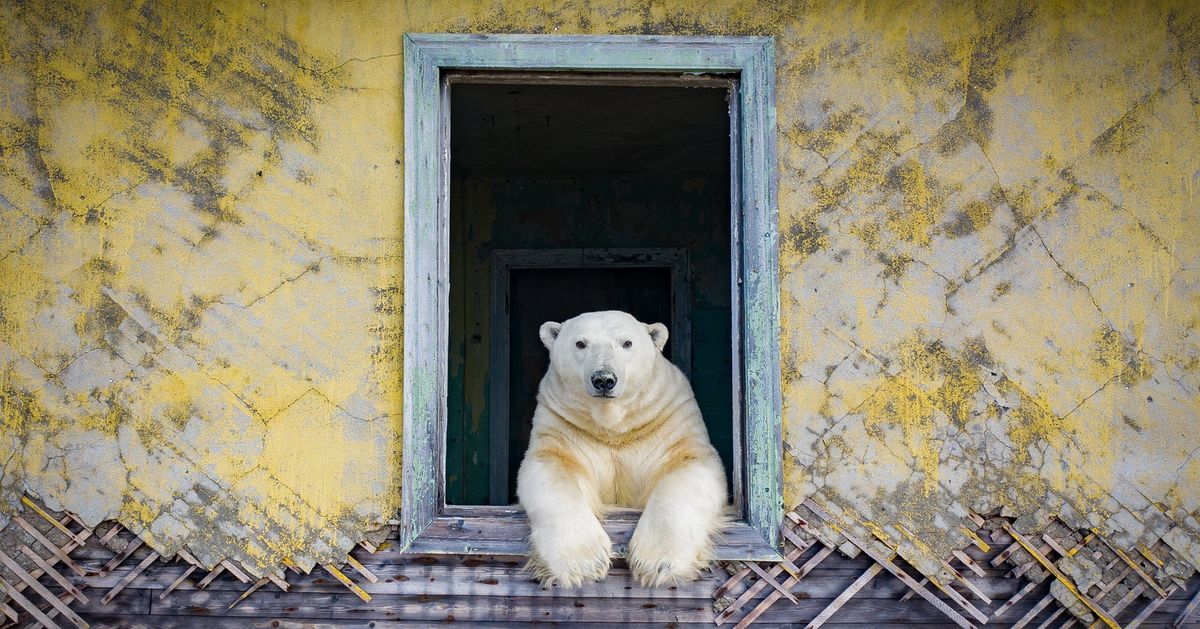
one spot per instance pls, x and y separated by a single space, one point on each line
44 543
1130 579
50 561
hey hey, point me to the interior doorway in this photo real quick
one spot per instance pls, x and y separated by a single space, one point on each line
633 179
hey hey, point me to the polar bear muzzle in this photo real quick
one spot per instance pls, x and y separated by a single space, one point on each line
604 381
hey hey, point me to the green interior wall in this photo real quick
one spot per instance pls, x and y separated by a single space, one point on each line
516 211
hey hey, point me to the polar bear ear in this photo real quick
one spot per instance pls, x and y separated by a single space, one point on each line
549 332
658 334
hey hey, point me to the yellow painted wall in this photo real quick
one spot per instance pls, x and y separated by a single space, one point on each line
991 249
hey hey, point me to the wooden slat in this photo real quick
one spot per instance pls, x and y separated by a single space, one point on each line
732 582
975 539
48 545
86 530
120 557
67 599
796 540
961 600
1082 543
32 582
1035 582
793 555
1054 545
1136 568
846 595
893 569
112 532
1020 570
969 563
766 578
959 576
27 605
10 612
1005 554
361 569
911 592
1034 611
337 574
974 588
1148 609
149 559
1011 602
1187 610
236 571
79 541
208 578
1149 555
1129 597
775 596
1062 578
177 582
188 557
57 576
1045 624
1107 587
250 590
279 581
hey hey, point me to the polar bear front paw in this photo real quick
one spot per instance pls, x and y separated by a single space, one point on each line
571 556
658 558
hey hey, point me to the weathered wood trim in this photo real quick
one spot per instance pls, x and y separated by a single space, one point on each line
482 531
424 373
505 260
760 296
590 52
426 239
565 77
738 399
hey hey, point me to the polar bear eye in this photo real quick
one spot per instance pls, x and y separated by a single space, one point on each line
627 344
580 344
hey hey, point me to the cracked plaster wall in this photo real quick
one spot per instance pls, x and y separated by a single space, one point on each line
990 258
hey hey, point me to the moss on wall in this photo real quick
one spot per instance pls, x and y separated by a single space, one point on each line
990 291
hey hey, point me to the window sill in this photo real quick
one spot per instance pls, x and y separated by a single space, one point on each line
485 530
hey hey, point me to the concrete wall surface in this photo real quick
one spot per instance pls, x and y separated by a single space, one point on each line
990 262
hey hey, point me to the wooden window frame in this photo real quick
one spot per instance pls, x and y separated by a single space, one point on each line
427 523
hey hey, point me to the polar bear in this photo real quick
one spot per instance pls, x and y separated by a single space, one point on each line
617 425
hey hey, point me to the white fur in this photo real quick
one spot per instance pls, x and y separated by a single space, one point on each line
645 448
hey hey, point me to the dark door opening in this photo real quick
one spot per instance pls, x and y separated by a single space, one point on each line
586 167
539 295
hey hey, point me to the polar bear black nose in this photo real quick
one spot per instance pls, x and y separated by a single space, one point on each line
604 380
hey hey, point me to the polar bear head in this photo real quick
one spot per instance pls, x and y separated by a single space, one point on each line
604 354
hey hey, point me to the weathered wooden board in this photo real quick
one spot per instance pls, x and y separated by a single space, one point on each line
289 622
441 608
508 535
556 609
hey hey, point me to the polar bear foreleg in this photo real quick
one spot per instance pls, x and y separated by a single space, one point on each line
673 539
567 542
